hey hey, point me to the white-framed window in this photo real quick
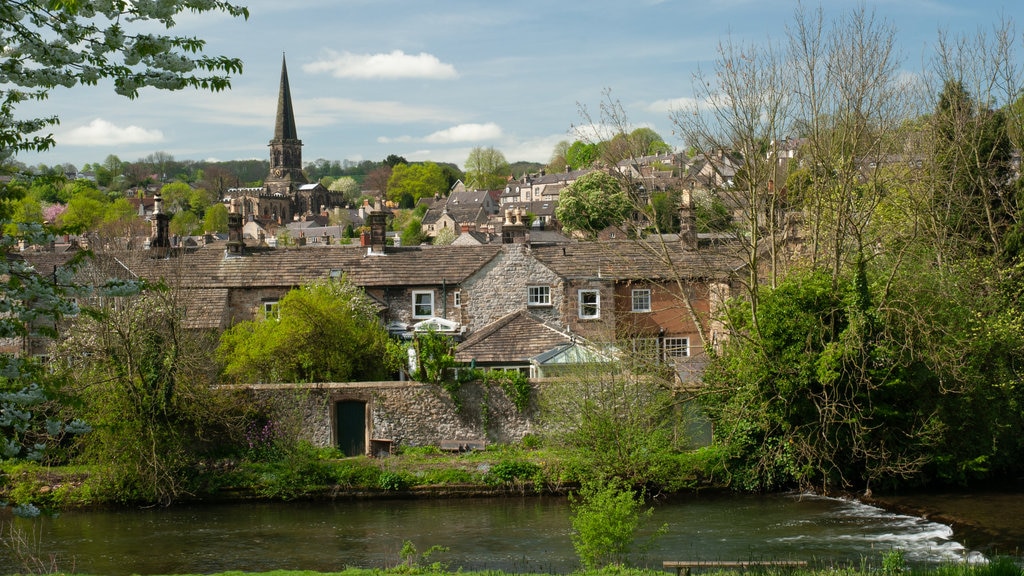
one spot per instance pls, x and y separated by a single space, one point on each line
423 304
676 347
538 296
270 310
641 300
590 304
457 299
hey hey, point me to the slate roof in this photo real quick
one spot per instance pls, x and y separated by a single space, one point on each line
209 267
514 338
636 260
205 308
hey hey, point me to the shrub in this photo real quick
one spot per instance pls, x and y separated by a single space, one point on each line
510 471
605 518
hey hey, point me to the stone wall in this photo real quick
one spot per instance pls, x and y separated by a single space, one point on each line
405 413
500 288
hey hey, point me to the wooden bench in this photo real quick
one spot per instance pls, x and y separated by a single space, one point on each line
683 567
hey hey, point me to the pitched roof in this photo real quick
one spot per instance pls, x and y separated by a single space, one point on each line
516 337
209 267
638 260
205 308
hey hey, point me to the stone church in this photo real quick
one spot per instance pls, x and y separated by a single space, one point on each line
286 194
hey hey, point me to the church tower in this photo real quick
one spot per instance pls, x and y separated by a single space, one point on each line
285 149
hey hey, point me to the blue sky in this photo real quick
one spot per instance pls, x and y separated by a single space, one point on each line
431 79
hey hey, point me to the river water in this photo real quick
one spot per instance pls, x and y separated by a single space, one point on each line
520 534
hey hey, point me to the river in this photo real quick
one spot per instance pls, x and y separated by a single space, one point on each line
520 534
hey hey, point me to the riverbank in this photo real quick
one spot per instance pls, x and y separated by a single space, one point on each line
988 521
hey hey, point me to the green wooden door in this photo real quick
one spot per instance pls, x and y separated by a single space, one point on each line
350 416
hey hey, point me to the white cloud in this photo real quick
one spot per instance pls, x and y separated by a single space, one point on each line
396 64
397 139
371 111
465 133
100 132
673 105
453 135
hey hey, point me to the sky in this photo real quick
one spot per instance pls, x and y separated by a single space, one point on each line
432 79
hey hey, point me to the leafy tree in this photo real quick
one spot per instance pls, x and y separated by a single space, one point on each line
486 169
412 233
48 45
613 420
592 203
326 331
34 304
176 196
648 141
582 155
974 200
348 186
85 212
144 383
559 157
185 223
216 219
410 182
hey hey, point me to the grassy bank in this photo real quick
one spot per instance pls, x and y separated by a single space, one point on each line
307 472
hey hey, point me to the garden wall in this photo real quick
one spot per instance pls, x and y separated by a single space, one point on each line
404 413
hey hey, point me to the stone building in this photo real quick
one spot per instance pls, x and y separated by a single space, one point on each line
286 194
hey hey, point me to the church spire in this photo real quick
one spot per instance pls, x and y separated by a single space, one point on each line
286 148
285 128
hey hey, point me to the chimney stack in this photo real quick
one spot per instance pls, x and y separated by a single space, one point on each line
160 241
236 244
687 221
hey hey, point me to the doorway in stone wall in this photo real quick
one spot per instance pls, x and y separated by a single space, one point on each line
350 422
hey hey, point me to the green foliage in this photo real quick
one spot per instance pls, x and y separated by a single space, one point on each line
185 223
829 388
44 50
412 233
894 563
325 331
435 363
143 382
513 383
512 471
395 481
414 562
592 203
605 519
216 219
581 155
486 169
612 420
32 421
410 182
